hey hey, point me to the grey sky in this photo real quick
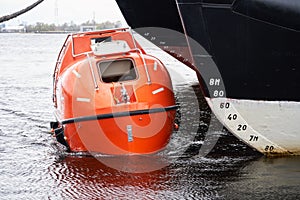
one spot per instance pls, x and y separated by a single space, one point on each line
61 11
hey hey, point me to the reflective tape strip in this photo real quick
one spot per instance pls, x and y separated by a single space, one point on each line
76 74
155 66
158 90
83 99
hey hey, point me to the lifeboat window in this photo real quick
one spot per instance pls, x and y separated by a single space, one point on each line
101 39
117 70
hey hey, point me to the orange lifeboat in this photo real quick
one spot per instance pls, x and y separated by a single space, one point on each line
111 97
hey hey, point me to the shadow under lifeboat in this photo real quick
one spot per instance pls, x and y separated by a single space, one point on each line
110 97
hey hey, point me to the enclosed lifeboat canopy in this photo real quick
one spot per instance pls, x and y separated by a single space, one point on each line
110 96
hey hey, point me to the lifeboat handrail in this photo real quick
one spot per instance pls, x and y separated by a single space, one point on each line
92 71
73 48
142 56
145 65
56 70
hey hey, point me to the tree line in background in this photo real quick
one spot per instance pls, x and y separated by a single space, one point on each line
70 27
44 27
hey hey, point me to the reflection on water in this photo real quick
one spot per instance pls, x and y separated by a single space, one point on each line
32 165
267 178
86 177
246 177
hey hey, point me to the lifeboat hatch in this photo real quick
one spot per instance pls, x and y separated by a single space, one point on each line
111 47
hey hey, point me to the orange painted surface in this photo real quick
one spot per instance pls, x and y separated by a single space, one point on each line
76 95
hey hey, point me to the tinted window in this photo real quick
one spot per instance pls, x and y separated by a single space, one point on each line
117 70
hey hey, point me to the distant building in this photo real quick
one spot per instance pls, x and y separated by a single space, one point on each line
87 28
13 29
2 26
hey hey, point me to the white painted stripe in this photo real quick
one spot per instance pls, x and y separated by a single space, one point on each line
268 126
83 99
155 66
76 73
158 90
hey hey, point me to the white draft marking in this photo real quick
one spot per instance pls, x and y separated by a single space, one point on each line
268 126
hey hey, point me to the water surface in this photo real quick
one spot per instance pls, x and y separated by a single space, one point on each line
34 166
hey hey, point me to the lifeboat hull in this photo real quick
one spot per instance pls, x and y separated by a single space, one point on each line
111 103
121 135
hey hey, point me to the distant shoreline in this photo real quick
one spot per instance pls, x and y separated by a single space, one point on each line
42 32
53 32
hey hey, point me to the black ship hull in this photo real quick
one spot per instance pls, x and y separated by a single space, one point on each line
247 55
258 58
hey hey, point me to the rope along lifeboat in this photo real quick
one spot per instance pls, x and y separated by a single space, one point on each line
111 97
